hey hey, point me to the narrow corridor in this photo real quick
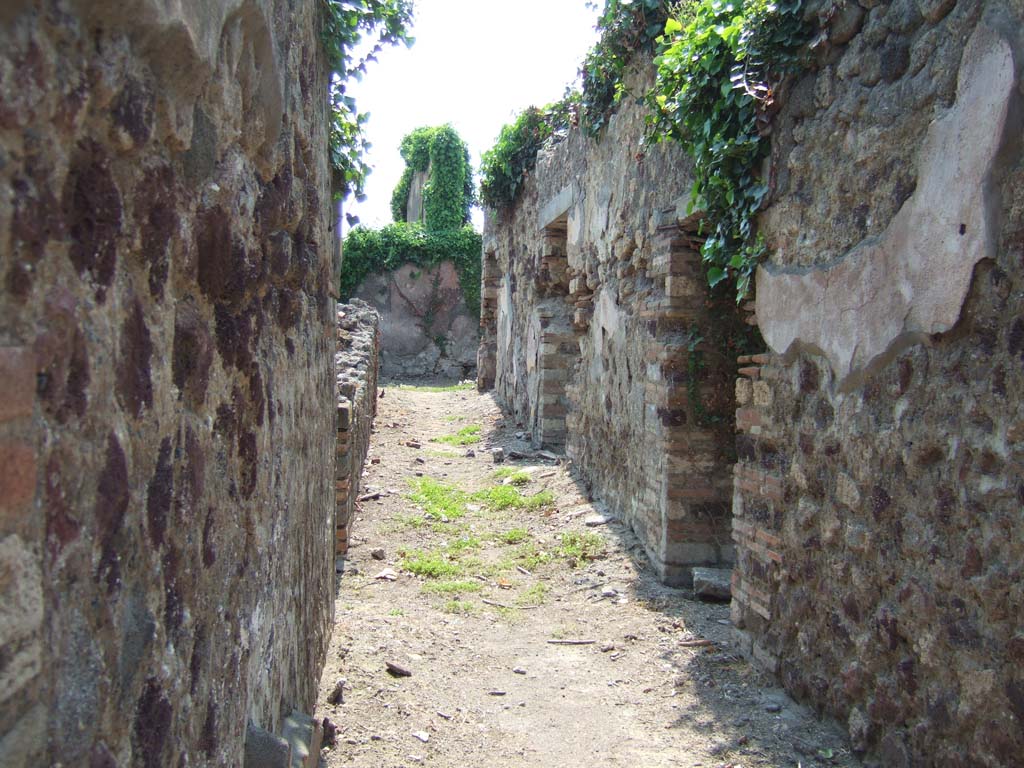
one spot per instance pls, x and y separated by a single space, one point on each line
534 632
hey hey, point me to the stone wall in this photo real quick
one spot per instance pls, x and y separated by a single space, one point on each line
426 328
879 493
600 336
166 356
356 364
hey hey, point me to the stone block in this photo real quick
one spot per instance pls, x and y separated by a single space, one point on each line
17 478
304 735
264 749
18 379
712 583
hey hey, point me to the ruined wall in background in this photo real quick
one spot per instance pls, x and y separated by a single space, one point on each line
879 493
426 328
166 354
356 365
600 335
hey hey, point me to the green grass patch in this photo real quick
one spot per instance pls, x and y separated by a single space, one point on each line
396 612
463 607
508 497
439 500
529 556
462 386
463 543
513 475
412 521
452 587
534 595
448 529
514 536
581 547
468 435
430 565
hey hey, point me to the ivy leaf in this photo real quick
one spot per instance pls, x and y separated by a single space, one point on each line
672 26
715 276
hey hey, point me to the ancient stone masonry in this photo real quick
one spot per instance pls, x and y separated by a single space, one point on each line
426 328
878 494
166 356
600 335
356 366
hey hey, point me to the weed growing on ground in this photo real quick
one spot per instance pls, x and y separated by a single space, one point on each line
464 543
468 435
459 606
396 612
439 500
534 595
452 587
513 475
462 386
581 547
507 497
430 565
515 536
411 521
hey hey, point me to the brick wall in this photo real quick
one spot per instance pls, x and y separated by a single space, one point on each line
605 341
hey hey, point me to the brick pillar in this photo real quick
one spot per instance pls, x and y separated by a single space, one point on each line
487 353
757 514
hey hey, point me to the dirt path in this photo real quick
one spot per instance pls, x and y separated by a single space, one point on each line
485 580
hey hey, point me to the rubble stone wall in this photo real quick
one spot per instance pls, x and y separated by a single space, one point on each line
356 364
166 357
879 499
600 336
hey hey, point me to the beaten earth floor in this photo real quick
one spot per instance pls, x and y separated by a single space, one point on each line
532 638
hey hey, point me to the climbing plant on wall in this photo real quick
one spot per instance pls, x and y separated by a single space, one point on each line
448 194
719 67
626 26
718 73
369 251
348 24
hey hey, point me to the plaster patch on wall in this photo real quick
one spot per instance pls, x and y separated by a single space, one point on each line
892 291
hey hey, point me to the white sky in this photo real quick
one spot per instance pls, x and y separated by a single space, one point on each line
475 64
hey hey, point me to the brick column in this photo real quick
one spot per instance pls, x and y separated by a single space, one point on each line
757 514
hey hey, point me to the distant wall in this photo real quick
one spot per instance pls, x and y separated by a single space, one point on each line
166 358
356 365
426 328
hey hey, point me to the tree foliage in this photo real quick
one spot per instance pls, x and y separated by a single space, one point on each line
348 25
717 75
449 193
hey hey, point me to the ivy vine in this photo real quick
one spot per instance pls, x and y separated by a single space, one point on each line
626 26
720 64
348 24
449 193
368 251
504 167
717 76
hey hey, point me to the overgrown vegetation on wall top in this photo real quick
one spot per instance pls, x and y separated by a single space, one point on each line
717 74
448 194
719 65
627 26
